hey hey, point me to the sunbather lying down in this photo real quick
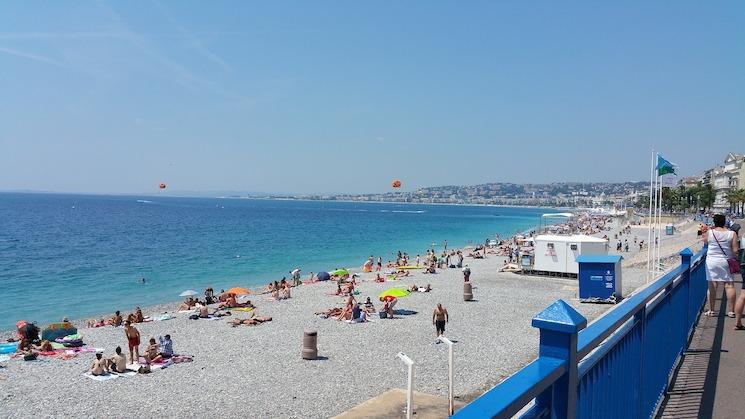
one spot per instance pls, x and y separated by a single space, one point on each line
249 322
332 312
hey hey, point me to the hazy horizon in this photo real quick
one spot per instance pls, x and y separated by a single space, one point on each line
113 98
239 193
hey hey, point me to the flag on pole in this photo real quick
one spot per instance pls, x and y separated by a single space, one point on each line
663 166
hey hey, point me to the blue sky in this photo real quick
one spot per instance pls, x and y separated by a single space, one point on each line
115 97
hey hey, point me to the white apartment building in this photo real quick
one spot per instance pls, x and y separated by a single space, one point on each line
728 177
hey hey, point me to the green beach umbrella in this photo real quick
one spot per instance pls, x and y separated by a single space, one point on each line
394 292
340 272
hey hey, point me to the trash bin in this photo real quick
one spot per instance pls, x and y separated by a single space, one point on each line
669 230
600 278
467 291
310 344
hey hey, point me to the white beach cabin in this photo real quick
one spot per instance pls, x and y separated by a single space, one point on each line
558 254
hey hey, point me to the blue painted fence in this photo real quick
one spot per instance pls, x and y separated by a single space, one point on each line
617 367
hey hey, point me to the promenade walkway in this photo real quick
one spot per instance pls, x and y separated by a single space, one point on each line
709 379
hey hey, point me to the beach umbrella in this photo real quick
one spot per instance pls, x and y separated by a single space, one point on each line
340 272
189 293
323 276
394 292
239 291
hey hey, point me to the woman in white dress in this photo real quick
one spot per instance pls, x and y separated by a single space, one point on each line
722 246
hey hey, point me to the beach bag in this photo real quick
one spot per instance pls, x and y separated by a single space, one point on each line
29 357
383 314
734 265
145 369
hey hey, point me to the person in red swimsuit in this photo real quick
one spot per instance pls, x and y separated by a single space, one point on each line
133 339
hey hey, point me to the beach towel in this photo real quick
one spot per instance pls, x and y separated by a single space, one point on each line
178 359
245 309
187 311
126 373
4 358
164 317
100 377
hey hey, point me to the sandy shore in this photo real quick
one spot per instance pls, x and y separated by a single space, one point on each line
258 370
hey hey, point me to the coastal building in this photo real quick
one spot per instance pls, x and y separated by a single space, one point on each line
690 181
726 178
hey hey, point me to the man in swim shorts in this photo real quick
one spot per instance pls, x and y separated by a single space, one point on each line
118 363
133 339
439 318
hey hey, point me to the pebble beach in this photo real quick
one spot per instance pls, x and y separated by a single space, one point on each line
258 370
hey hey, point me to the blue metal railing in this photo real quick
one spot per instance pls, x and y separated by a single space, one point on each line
617 367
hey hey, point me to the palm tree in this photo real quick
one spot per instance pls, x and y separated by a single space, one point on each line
741 200
733 197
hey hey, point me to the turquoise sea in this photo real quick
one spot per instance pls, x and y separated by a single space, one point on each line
82 255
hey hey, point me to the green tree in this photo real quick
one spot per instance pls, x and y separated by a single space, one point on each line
705 196
733 198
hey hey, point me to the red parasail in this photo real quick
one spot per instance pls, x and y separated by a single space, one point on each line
162 186
396 183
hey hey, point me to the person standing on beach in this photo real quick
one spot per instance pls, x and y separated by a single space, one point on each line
296 277
133 340
439 318
380 264
446 246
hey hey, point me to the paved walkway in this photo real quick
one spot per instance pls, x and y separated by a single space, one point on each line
709 380
392 404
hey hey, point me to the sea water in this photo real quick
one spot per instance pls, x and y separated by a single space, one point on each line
83 255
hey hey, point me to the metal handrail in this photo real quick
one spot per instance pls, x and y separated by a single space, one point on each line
538 379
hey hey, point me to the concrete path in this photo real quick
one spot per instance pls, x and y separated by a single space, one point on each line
392 404
708 382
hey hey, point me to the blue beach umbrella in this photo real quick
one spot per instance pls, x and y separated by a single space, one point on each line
188 293
323 276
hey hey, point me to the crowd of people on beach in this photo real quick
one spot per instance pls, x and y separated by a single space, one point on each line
346 285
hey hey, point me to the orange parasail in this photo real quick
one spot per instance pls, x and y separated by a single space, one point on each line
396 183
162 186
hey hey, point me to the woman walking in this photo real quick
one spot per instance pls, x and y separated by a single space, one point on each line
722 246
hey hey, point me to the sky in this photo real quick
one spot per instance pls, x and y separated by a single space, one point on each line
321 96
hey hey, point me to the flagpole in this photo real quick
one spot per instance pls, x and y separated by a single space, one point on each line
659 223
654 229
649 218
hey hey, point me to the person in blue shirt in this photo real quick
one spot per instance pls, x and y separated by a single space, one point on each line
166 346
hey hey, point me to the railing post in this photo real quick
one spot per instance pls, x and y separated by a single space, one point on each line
559 325
685 263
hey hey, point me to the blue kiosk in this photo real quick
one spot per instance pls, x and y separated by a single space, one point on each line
600 278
